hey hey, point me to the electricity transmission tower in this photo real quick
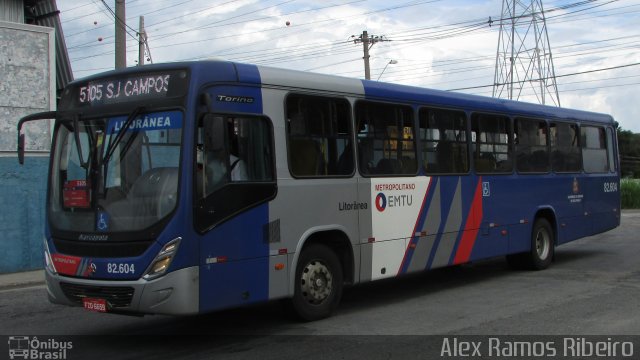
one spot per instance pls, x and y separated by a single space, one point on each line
524 64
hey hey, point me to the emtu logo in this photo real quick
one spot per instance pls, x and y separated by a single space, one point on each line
381 202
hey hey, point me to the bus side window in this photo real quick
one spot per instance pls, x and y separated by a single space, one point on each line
491 144
594 149
443 138
386 140
319 136
565 147
532 154
610 150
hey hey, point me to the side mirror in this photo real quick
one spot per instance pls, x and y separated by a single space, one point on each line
38 116
21 149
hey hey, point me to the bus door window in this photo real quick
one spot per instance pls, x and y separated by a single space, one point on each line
386 139
443 138
225 152
238 151
532 153
212 154
491 139
594 149
234 158
565 147
319 136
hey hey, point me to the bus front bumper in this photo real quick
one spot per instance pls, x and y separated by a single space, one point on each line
175 293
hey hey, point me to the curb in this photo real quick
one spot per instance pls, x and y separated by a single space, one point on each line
21 279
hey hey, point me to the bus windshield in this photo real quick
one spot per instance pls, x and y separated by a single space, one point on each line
115 174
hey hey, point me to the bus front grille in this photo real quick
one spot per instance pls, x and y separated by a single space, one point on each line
116 296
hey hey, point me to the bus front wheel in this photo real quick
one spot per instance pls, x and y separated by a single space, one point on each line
318 283
541 253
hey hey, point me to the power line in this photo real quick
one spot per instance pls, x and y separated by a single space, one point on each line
394 39
121 21
296 53
557 76
218 23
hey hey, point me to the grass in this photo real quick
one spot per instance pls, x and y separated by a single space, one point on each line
630 193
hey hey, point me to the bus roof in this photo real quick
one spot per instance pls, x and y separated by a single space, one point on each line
209 71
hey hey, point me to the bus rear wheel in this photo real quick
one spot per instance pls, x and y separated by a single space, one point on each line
318 283
541 253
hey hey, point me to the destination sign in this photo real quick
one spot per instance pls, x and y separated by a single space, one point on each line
154 121
130 88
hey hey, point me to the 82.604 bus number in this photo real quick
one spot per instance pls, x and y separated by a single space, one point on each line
121 268
610 187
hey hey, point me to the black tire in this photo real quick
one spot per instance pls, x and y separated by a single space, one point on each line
542 244
542 248
318 283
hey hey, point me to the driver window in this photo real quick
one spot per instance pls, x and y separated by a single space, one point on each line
232 150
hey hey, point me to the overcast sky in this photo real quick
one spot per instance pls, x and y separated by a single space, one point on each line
441 44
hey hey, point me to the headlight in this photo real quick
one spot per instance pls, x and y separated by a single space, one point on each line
48 262
161 263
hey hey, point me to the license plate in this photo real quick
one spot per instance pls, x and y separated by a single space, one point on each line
98 305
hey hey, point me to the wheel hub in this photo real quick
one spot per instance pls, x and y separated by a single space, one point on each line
316 282
542 244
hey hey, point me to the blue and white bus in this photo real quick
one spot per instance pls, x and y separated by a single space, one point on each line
192 187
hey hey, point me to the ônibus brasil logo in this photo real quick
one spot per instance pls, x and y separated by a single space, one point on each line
381 202
25 347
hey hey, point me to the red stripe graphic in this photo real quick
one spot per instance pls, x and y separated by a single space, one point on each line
471 228
65 264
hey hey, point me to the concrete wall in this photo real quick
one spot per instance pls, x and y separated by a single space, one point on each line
27 85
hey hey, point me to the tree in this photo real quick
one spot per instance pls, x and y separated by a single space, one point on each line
629 147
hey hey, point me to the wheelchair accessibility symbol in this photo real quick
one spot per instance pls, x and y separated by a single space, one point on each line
486 189
102 222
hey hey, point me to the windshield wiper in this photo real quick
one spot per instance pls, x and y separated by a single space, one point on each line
76 135
113 142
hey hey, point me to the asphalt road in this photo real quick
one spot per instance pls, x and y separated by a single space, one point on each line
593 288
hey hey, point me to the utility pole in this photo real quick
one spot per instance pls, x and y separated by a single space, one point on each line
142 40
367 42
524 60
121 35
